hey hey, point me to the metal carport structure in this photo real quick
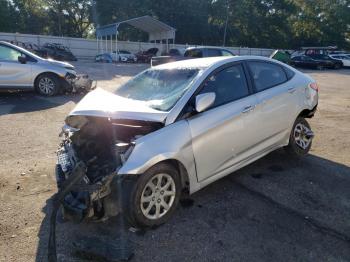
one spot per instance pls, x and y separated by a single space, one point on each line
158 32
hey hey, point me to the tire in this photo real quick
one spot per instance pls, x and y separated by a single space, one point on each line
300 139
47 85
144 206
337 66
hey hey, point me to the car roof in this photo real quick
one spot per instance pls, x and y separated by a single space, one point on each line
205 47
203 63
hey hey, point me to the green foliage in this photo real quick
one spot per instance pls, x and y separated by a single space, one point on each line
7 13
251 23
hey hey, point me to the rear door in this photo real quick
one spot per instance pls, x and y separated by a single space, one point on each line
277 101
223 134
12 72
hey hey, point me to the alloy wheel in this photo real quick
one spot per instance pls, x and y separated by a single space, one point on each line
46 85
158 196
303 136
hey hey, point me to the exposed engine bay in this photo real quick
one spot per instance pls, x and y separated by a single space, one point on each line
103 145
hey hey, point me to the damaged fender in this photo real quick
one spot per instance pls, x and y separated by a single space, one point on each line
172 142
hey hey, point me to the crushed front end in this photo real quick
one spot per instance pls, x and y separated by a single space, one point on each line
79 83
109 143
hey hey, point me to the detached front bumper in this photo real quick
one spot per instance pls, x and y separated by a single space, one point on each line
79 83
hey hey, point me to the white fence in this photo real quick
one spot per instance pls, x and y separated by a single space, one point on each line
88 48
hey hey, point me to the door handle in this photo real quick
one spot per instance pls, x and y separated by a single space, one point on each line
291 89
247 109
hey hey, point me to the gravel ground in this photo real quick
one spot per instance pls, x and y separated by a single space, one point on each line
273 210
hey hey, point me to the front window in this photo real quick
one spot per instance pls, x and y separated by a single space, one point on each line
194 53
160 89
9 54
228 85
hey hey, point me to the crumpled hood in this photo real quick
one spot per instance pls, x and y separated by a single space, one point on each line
101 103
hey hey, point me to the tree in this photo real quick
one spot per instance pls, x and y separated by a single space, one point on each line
70 17
7 14
30 16
252 23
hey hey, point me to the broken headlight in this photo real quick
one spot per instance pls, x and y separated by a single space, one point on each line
76 121
123 150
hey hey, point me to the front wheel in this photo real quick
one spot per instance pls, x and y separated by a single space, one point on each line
47 85
155 196
300 139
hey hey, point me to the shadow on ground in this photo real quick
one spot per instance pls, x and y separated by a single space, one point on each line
276 209
24 102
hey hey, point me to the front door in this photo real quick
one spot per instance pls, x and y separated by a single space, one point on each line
221 134
12 72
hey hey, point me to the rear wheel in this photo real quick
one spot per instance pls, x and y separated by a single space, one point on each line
300 139
337 66
155 196
47 85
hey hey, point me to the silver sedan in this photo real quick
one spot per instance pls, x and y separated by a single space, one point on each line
175 128
21 69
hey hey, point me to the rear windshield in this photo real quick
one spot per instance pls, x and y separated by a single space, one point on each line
160 89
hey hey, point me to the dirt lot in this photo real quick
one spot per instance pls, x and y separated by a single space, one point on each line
273 210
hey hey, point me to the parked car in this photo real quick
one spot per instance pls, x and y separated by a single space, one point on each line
21 69
104 58
34 48
146 56
281 55
309 62
124 56
344 58
176 128
59 52
192 52
329 62
174 52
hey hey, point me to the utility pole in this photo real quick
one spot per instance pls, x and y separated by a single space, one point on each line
226 21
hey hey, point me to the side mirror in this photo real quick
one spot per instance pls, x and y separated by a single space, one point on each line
22 59
204 101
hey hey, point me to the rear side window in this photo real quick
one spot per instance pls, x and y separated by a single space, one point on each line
226 53
289 73
213 52
266 75
228 85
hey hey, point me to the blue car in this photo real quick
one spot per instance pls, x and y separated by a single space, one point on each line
104 58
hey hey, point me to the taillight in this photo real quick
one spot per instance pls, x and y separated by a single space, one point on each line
314 86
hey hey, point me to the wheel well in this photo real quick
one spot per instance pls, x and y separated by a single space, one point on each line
44 73
185 182
306 113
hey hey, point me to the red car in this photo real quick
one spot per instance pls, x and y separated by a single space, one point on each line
146 56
